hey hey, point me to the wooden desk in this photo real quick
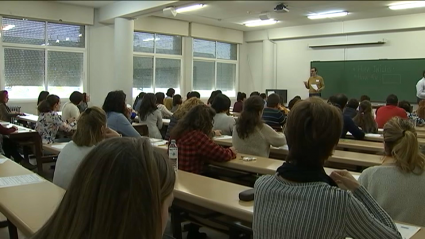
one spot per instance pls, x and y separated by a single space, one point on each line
346 157
373 147
420 131
164 121
214 194
28 207
30 118
380 138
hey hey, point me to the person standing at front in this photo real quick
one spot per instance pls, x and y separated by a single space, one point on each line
420 88
315 83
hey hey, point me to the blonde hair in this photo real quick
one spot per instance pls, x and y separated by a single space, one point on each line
89 131
187 106
401 143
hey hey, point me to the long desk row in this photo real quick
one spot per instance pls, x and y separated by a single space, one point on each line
28 207
346 157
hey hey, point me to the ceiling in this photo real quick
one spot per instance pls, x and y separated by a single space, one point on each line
231 14
94 4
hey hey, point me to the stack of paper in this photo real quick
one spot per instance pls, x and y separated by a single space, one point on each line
223 137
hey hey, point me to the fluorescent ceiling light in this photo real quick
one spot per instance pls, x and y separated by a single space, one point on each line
257 23
327 15
8 27
407 5
190 8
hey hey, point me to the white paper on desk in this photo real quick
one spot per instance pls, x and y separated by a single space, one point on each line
407 231
159 143
223 137
2 160
356 177
374 135
154 140
20 180
314 86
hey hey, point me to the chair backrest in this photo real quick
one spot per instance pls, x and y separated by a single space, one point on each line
142 129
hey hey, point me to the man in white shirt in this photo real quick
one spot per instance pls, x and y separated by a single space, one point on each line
420 88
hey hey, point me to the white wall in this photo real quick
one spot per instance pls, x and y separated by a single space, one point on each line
100 61
250 67
294 55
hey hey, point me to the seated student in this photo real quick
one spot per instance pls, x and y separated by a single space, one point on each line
49 122
212 96
350 109
151 116
364 118
160 104
420 112
256 93
339 101
405 105
168 101
238 106
5 113
192 135
293 101
301 200
118 115
70 109
182 111
272 115
91 130
42 96
194 94
385 113
264 97
122 189
250 134
177 101
222 121
364 97
138 101
10 148
397 185
84 104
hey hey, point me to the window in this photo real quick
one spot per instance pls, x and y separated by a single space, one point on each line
214 67
157 61
42 56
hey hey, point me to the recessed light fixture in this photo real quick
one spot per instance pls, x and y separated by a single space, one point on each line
327 15
190 8
7 27
407 5
257 23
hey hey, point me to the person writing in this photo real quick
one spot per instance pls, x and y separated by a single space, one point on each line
420 88
315 83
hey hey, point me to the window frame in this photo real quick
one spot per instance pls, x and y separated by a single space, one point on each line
46 48
217 60
155 55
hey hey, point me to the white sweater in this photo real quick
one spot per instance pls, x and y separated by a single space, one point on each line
400 194
70 110
258 143
68 161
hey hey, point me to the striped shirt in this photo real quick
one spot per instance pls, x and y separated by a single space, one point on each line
274 118
285 209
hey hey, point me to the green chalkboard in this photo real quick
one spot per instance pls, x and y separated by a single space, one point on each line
375 78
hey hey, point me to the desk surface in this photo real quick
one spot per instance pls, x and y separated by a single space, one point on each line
380 138
214 194
20 128
28 207
352 158
29 118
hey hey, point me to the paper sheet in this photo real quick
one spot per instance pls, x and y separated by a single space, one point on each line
223 137
356 177
160 143
20 180
374 135
407 231
2 160
314 86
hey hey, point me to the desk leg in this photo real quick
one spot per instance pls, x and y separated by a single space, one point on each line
176 223
13 231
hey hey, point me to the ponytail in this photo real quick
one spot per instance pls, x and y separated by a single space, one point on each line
401 143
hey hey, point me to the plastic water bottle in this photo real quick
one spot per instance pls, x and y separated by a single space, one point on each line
173 155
